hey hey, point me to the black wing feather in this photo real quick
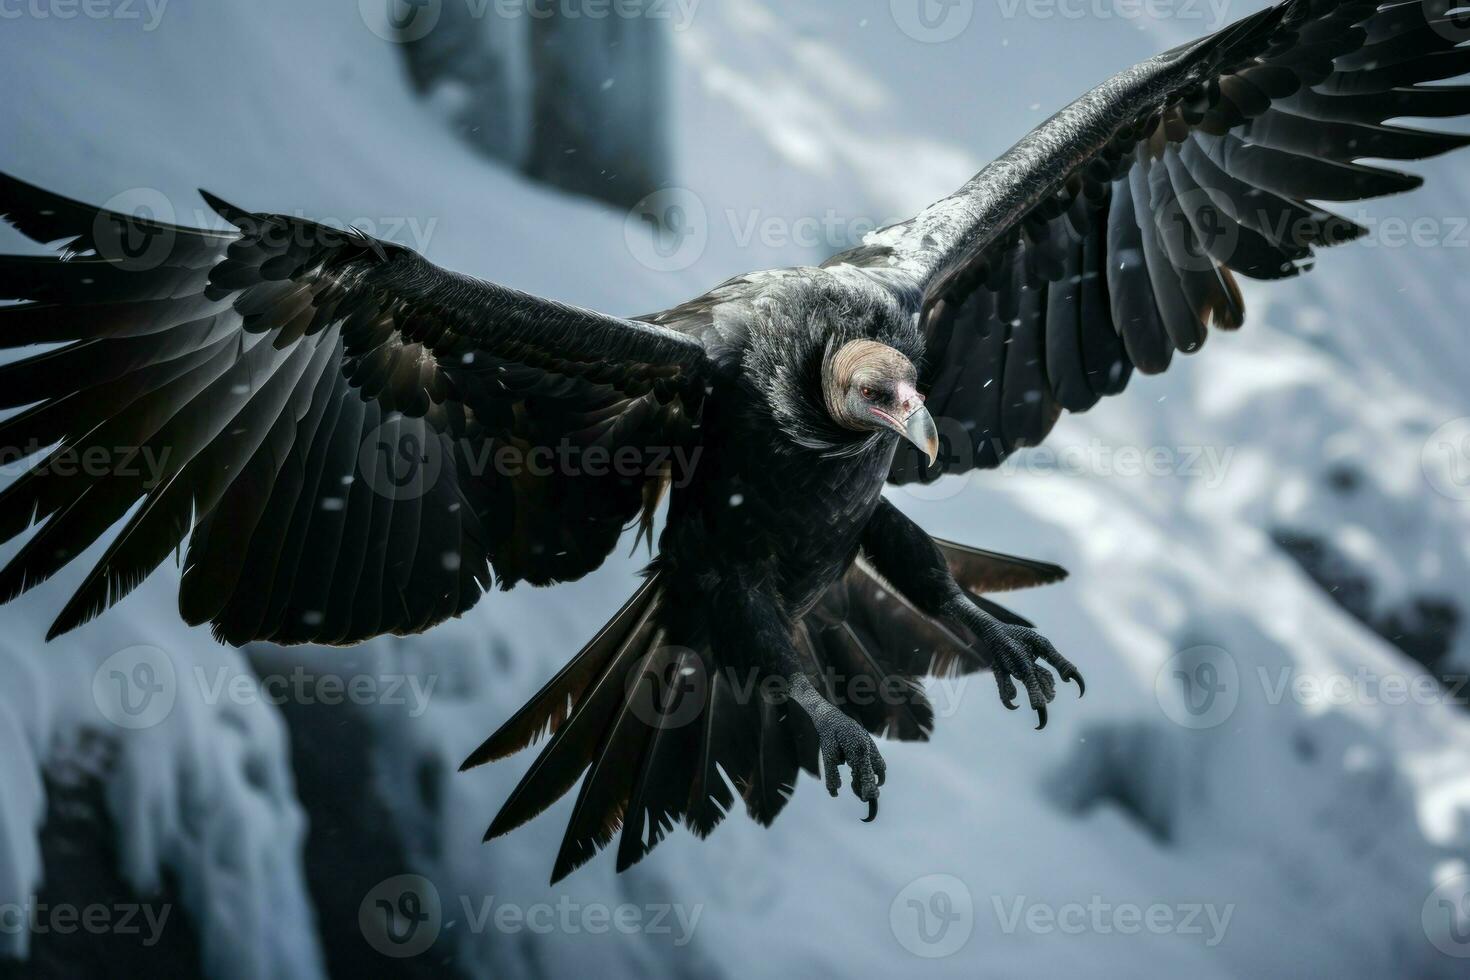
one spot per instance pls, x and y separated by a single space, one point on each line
269 375
1178 174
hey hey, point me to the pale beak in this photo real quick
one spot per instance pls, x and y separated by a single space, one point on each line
920 430
917 426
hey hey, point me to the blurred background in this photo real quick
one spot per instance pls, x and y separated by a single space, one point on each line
1270 775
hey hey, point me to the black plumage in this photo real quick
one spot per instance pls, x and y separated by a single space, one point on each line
346 435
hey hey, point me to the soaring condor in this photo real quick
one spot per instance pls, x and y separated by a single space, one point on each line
341 428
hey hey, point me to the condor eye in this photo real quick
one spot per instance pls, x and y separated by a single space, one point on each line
867 392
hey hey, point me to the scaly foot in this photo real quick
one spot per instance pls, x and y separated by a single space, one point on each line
1019 653
844 740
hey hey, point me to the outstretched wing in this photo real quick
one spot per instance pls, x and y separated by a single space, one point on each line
1110 237
359 441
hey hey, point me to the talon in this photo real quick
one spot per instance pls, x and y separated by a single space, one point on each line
872 810
1081 685
1008 704
1041 713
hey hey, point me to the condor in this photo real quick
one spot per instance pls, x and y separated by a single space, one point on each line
321 406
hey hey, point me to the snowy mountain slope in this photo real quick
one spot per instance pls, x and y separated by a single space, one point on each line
1318 825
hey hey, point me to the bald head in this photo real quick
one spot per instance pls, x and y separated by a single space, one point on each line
868 386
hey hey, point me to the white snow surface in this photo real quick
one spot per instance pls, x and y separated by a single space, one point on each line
1313 830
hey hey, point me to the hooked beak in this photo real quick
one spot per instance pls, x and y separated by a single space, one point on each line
920 430
917 426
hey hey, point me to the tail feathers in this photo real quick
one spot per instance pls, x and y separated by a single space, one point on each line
660 733
769 785
979 570
545 713
603 799
724 748
885 702
661 794
683 758
582 737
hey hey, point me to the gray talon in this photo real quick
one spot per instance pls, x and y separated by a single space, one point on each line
1021 655
843 740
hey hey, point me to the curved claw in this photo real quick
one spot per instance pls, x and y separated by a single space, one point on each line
1008 704
872 810
1041 713
1081 684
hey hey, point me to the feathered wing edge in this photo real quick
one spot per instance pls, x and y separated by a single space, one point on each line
664 734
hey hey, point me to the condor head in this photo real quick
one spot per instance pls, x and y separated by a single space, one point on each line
870 387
